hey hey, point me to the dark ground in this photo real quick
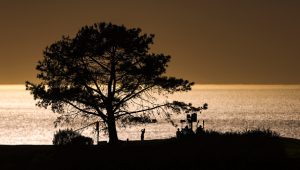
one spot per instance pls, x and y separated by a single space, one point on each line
203 153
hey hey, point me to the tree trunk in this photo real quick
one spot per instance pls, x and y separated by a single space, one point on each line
111 122
112 131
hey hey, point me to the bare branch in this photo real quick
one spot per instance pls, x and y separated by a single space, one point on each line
78 108
139 111
131 95
97 62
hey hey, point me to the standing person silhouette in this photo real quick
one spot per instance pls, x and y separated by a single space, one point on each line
178 134
143 134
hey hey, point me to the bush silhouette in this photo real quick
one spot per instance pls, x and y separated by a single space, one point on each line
70 137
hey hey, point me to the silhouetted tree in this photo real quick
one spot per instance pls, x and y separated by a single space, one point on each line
107 71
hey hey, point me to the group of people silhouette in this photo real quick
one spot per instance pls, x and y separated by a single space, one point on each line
186 131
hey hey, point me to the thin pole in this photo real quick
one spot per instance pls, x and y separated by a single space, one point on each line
97 136
97 129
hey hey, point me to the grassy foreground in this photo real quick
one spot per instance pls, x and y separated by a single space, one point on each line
213 152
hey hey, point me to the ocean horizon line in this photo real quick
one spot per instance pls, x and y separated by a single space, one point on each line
196 86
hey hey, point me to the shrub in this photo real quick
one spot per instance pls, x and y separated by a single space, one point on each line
261 133
70 137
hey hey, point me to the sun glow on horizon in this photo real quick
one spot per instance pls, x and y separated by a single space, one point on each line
244 86
12 87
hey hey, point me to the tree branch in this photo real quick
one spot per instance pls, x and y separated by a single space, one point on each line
101 114
103 97
143 110
97 62
80 109
131 95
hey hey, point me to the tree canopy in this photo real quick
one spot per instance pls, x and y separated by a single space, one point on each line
107 71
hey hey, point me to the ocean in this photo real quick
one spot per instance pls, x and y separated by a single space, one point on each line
230 108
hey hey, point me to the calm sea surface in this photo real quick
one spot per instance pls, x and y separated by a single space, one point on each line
231 108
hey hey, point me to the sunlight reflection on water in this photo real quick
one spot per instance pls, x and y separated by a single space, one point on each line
231 108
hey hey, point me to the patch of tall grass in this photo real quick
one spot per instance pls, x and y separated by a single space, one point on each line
258 132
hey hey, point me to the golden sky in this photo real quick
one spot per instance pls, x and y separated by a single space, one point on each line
225 41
